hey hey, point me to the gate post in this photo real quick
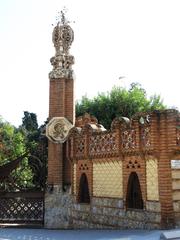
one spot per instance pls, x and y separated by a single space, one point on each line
61 119
166 128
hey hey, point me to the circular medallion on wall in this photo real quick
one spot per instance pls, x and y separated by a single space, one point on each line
57 129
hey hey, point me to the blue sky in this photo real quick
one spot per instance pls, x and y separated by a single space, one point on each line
136 39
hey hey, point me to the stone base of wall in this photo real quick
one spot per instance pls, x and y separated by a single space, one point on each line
58 209
176 206
109 213
62 211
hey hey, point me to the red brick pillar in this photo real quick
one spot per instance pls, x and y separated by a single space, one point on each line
61 104
165 130
61 100
61 120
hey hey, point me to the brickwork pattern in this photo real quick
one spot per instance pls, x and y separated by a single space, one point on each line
166 144
109 157
128 139
55 163
134 164
136 143
80 146
83 166
61 104
146 136
105 143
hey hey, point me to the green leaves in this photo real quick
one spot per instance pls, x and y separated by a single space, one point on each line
118 102
14 142
11 142
29 121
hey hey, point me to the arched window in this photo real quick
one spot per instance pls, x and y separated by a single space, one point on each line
84 190
134 195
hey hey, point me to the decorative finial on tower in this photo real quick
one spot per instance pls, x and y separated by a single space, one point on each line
61 16
62 38
63 19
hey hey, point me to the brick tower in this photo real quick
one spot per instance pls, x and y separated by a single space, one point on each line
61 119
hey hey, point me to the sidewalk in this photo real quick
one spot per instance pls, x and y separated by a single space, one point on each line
43 234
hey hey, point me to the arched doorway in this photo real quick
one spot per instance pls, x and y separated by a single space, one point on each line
84 189
134 195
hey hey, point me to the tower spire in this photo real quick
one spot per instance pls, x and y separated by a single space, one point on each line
62 38
61 102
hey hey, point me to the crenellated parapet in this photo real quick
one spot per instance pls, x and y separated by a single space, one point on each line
126 136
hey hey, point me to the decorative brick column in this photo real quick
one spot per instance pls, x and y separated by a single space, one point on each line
166 128
61 119
61 104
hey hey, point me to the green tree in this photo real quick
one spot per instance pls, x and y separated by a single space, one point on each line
31 172
29 121
119 102
12 145
11 142
30 130
36 145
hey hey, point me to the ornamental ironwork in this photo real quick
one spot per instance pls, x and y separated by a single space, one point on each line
22 206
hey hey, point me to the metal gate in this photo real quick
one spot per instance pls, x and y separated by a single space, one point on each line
22 207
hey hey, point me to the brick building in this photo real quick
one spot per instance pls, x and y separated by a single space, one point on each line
126 177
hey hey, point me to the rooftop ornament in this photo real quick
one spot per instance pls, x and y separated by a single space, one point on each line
62 38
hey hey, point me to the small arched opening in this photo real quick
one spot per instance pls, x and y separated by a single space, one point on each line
84 189
134 195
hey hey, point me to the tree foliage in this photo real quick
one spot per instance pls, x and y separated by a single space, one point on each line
29 121
11 142
12 145
36 145
14 142
119 102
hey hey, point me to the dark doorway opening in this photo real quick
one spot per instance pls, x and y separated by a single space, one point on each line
84 189
134 195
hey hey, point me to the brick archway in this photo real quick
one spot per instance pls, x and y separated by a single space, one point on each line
134 195
83 195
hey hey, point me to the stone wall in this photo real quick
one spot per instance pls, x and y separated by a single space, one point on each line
109 213
58 205
63 212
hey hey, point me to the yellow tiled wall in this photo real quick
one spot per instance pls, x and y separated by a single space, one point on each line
107 179
152 180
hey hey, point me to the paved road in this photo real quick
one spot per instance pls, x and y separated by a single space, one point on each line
43 234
